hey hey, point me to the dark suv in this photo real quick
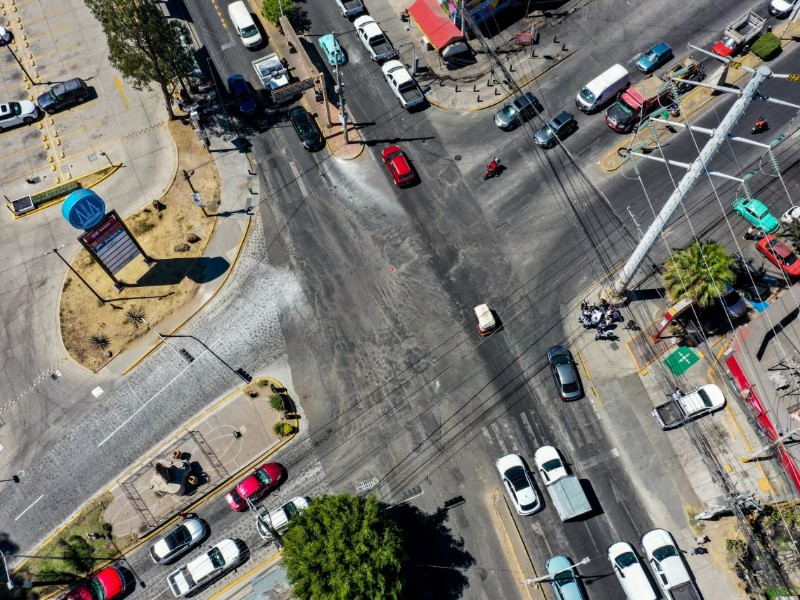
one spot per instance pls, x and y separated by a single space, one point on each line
64 94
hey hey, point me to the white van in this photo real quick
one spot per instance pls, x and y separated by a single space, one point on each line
602 88
244 24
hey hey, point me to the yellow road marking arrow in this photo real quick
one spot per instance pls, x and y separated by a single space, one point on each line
118 85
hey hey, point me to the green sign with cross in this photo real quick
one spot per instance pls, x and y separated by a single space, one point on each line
679 361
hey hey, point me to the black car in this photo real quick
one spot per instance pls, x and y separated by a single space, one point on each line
306 128
565 373
517 112
62 95
559 127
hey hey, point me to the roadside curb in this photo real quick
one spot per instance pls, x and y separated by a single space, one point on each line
516 543
242 579
199 308
153 452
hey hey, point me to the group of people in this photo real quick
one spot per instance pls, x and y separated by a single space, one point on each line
599 315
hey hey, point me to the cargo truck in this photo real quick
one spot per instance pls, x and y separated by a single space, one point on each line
271 72
565 489
740 34
638 101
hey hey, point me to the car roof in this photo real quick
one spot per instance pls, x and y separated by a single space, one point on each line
112 581
660 47
563 117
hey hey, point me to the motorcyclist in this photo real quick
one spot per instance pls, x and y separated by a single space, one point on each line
493 165
760 125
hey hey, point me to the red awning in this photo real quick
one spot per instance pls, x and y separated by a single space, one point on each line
434 23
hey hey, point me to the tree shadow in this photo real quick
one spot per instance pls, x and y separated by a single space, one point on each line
171 271
437 561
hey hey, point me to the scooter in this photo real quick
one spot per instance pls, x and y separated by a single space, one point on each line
760 126
493 169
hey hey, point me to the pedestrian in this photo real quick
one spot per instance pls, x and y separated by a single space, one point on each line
701 540
187 515
699 550
750 234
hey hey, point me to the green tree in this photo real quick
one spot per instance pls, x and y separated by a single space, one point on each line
271 9
78 553
699 271
792 231
344 547
144 45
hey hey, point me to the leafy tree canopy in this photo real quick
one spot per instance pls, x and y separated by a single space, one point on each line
144 45
699 271
343 547
271 9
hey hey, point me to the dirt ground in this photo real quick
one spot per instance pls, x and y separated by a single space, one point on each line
95 330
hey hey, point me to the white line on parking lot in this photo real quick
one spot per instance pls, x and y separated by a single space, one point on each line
30 507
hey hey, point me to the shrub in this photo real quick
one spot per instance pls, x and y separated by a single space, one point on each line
276 401
283 429
766 46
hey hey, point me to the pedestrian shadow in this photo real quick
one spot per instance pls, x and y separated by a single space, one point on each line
171 271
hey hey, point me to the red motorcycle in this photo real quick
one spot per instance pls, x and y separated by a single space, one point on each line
493 169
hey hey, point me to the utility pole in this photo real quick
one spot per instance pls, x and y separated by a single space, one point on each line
340 91
696 170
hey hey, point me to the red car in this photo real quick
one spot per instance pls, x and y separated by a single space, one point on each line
263 480
399 166
780 254
105 585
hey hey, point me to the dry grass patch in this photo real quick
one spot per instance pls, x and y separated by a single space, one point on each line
94 331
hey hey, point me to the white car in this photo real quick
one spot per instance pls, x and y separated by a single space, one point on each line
781 8
630 572
278 520
205 568
790 215
518 484
665 559
5 36
548 462
16 113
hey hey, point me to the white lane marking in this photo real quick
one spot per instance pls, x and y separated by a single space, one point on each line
30 507
299 179
524 417
142 407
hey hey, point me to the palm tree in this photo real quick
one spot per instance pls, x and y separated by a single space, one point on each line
700 271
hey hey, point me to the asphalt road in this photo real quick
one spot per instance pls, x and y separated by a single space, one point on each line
374 289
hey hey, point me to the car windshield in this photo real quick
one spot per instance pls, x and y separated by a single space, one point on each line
731 298
665 552
570 387
180 536
551 465
508 111
290 509
262 477
216 558
516 475
235 497
561 359
704 397
15 108
565 577
626 560
249 31
98 591
652 56
587 95
729 42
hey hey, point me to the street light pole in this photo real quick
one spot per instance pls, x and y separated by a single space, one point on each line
214 79
552 575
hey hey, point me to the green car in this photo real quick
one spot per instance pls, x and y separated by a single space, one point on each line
756 213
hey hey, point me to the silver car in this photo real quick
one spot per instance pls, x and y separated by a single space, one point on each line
17 113
565 373
517 112
188 534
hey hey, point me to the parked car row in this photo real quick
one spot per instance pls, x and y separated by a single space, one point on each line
58 97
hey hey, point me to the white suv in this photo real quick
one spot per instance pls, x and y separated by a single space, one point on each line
205 568
16 113
665 559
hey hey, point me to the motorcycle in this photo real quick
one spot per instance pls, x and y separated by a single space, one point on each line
760 126
492 169
605 334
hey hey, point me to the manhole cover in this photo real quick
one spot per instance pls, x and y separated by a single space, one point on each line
457 157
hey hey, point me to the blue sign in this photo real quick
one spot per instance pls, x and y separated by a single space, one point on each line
83 209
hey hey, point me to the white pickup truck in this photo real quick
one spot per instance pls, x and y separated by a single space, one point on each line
403 84
271 72
350 8
373 38
681 408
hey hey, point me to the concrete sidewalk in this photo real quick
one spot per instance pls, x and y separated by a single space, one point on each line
231 436
624 395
